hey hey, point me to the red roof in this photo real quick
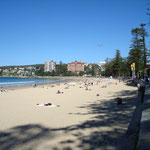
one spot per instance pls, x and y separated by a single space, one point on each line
75 62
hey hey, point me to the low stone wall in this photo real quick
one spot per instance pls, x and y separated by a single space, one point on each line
134 126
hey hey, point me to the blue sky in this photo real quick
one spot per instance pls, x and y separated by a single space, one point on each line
35 31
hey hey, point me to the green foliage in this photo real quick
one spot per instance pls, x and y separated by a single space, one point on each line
12 74
41 72
93 70
88 70
81 73
144 49
125 67
53 73
23 66
138 52
61 69
117 66
109 68
69 73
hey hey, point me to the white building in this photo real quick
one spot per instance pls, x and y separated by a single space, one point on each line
50 66
101 64
46 66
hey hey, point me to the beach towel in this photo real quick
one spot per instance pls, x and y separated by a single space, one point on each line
48 106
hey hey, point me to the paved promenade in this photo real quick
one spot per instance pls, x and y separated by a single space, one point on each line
144 134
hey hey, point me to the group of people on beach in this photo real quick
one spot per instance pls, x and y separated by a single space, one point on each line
3 90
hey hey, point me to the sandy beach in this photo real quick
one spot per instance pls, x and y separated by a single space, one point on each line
85 115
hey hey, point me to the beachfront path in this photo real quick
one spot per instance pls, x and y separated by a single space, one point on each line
84 120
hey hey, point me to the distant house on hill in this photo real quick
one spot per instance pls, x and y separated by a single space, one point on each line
50 66
75 66
5 71
86 64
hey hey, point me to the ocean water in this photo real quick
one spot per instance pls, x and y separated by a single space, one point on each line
15 82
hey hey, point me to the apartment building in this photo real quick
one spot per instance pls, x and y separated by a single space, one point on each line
75 66
50 66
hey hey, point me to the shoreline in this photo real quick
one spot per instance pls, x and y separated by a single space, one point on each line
66 80
31 86
53 77
44 77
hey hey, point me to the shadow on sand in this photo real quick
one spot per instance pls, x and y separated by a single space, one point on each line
106 129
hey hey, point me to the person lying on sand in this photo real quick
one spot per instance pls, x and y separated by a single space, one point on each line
104 86
48 105
67 87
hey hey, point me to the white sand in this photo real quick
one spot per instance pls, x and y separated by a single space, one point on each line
19 108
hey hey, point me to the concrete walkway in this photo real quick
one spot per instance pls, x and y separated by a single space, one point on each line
144 134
